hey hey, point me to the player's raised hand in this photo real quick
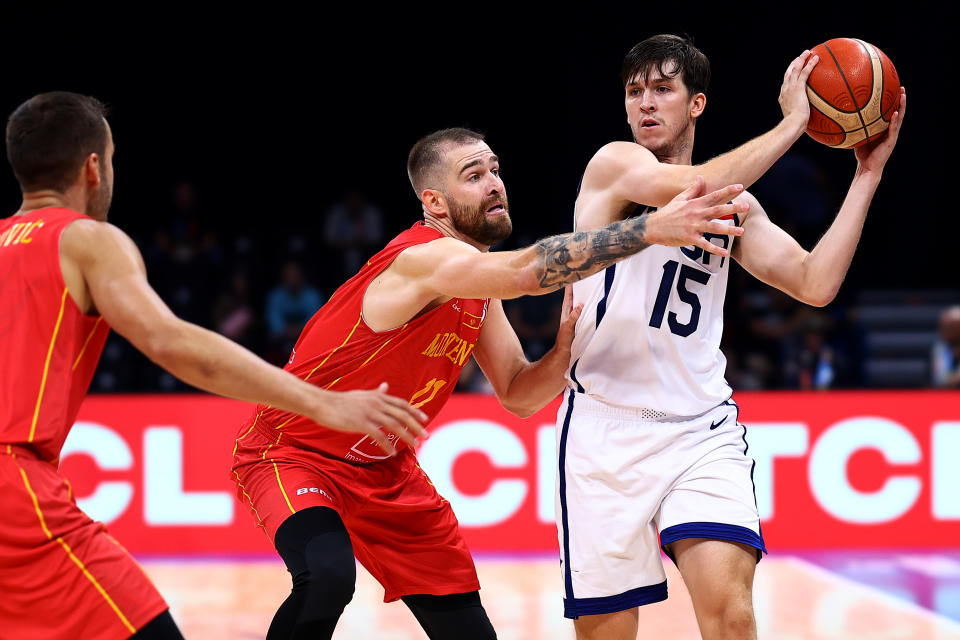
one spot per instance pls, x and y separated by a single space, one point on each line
684 220
793 92
568 319
874 155
380 416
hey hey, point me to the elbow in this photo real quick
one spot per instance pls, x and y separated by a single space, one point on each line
162 345
519 410
527 283
819 298
516 405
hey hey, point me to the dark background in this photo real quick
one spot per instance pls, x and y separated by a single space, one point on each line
275 114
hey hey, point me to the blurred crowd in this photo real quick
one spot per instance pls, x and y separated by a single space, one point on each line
261 291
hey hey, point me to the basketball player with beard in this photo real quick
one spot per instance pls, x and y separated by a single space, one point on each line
648 437
412 316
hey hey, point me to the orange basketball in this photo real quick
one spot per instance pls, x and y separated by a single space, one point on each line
853 92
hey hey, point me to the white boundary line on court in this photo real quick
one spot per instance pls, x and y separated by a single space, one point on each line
886 598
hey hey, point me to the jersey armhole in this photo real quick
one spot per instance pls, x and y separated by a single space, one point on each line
63 282
418 316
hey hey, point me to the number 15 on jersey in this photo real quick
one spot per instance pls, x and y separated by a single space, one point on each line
670 276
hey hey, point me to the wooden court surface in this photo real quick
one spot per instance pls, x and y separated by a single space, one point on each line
794 600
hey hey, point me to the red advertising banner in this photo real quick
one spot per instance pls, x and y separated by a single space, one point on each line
833 470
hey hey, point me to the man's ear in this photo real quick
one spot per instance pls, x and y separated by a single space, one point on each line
697 105
434 202
91 170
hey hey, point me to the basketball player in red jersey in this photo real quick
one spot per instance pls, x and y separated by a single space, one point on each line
68 276
412 316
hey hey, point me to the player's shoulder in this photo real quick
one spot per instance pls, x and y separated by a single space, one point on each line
614 160
620 151
86 236
427 256
441 245
95 230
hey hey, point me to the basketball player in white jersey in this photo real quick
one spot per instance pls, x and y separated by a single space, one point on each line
648 437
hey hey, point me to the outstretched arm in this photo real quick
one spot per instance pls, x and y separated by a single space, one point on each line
105 272
814 277
625 172
524 387
447 267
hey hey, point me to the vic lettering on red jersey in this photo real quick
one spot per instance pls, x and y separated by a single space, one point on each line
50 347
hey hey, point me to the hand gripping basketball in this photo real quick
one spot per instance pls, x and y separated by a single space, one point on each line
853 93
793 94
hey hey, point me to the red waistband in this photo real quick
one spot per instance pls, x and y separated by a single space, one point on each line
264 428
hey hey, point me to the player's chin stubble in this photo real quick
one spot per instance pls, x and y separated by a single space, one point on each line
99 204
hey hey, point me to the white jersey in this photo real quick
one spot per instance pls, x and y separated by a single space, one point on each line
649 334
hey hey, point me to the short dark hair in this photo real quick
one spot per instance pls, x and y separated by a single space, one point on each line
50 136
656 51
427 153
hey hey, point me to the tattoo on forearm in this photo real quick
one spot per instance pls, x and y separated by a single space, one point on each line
573 256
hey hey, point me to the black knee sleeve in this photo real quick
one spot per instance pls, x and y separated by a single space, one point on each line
160 628
458 616
316 548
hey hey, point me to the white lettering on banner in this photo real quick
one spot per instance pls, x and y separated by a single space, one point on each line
828 470
164 500
546 473
500 445
945 471
109 499
769 440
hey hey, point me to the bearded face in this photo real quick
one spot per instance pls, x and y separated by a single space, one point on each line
487 223
100 201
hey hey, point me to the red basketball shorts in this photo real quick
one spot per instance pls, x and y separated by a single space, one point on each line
61 574
402 531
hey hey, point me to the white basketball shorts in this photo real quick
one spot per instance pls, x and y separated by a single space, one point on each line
624 478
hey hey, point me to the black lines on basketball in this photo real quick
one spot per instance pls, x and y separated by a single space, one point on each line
848 70
846 83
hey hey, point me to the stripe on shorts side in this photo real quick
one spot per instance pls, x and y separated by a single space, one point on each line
753 484
66 547
236 460
282 490
567 577
573 376
97 586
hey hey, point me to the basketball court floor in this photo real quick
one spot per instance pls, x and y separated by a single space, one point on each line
823 595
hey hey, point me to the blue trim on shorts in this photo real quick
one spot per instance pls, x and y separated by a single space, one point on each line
573 376
608 274
712 531
746 447
576 607
567 578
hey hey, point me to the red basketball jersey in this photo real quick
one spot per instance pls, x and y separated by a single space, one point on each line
420 360
50 348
